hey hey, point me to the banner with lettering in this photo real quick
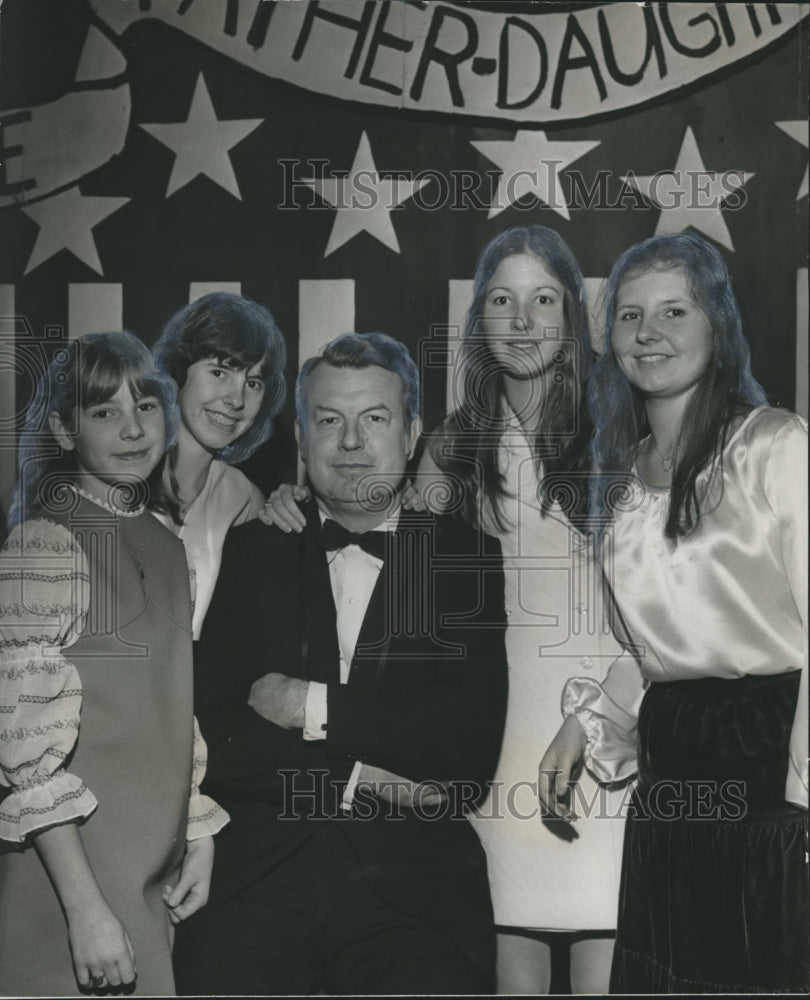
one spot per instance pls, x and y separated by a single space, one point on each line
540 64
344 161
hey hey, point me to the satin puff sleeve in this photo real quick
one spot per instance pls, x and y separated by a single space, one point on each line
786 492
205 817
44 598
608 713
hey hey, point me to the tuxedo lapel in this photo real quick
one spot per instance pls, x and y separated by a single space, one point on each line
374 639
320 652
395 601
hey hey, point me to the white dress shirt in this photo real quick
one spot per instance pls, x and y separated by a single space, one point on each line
353 574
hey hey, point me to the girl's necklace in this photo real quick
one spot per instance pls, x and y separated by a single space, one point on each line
667 461
122 509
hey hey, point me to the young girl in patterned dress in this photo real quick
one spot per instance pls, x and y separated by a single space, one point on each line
107 841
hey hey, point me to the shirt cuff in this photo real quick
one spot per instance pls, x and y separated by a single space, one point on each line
348 794
315 712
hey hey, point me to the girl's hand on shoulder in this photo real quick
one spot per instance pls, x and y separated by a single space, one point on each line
191 892
412 498
101 949
281 508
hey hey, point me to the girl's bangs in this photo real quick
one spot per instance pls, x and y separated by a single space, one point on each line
238 347
98 379
101 375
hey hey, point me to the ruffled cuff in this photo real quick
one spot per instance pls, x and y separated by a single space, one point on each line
610 731
50 800
205 817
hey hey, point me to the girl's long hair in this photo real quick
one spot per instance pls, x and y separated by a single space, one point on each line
466 445
726 390
82 373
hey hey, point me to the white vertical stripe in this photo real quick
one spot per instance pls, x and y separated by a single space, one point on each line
94 308
197 289
459 300
325 310
802 319
596 311
8 395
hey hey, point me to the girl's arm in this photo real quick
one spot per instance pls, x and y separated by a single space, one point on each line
191 892
44 597
786 490
599 732
99 944
281 508
205 818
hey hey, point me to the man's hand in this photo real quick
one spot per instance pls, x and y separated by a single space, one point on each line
280 699
399 791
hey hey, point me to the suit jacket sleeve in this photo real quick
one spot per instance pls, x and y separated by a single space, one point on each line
252 628
434 717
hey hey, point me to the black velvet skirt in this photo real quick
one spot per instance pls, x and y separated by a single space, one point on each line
714 887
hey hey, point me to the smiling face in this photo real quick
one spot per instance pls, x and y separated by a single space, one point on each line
218 403
523 316
355 436
120 438
661 337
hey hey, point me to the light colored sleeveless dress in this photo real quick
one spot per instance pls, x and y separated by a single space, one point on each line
556 629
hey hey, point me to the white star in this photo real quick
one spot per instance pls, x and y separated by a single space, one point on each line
690 195
202 142
363 200
66 222
530 164
798 130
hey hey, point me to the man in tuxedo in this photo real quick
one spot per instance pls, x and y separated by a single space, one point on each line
351 685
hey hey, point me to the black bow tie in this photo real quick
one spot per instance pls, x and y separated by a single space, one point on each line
335 536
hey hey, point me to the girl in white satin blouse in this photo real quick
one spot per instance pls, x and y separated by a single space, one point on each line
704 491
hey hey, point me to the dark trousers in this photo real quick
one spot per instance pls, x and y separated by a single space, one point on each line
319 922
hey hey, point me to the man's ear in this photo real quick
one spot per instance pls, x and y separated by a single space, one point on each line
413 435
60 432
300 440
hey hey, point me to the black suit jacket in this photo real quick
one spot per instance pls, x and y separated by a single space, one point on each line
425 698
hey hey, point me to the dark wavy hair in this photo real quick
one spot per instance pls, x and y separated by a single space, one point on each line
361 350
82 373
237 332
465 446
726 389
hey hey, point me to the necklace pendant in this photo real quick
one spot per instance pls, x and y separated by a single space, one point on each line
666 464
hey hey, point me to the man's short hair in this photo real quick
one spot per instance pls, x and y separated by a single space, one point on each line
362 350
